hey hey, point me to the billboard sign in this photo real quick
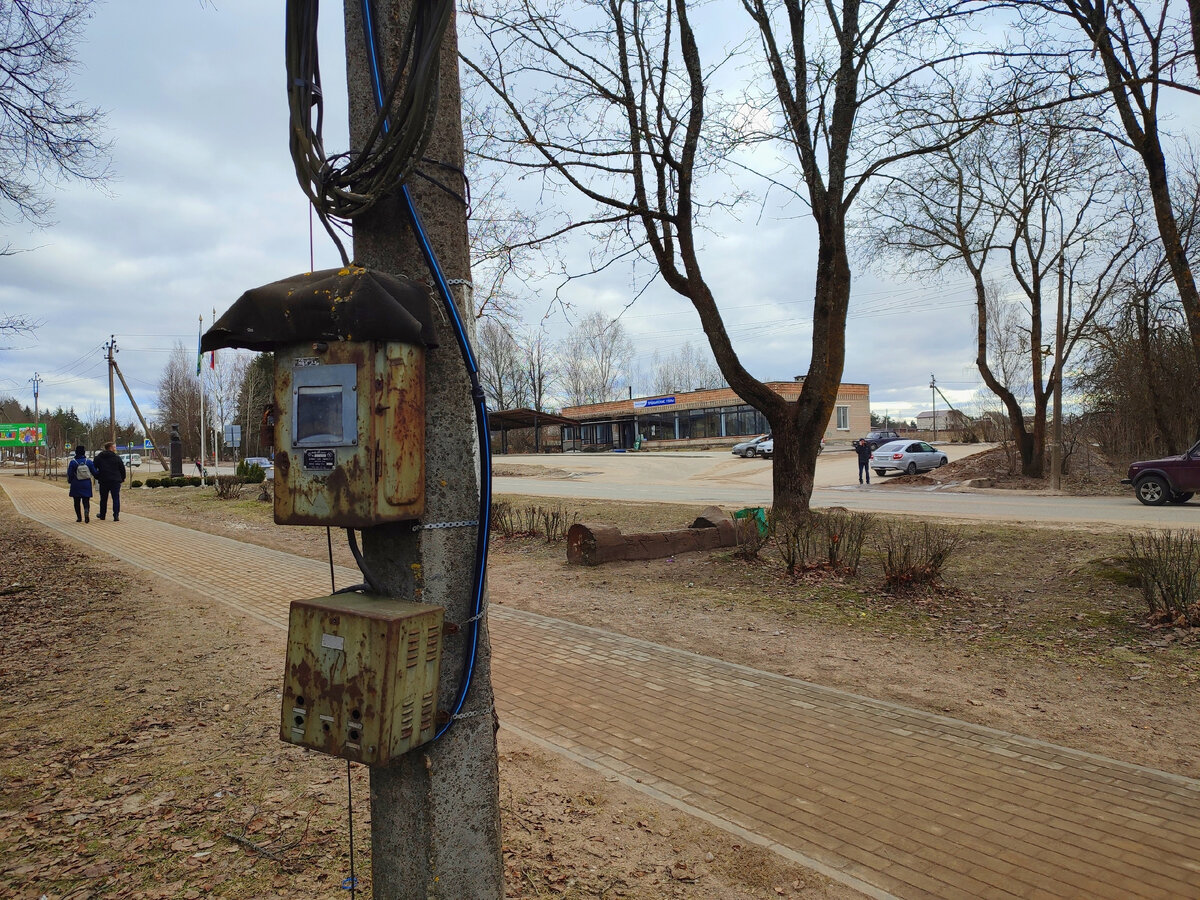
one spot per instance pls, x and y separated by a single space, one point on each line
23 435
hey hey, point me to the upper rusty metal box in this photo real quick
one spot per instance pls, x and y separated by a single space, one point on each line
349 391
361 677
349 434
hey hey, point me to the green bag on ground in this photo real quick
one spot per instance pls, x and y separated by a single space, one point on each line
758 514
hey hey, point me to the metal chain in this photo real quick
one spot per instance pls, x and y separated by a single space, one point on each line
470 524
475 714
450 282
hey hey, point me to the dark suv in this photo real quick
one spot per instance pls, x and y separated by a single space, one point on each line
876 439
1171 480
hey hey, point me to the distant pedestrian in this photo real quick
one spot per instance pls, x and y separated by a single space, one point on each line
199 468
863 450
80 472
110 472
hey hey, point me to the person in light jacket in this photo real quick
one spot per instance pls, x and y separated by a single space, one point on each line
80 472
110 472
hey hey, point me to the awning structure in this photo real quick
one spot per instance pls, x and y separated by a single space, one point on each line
507 419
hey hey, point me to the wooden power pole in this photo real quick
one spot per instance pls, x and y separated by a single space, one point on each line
435 819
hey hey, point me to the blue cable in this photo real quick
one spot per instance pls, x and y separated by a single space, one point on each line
485 450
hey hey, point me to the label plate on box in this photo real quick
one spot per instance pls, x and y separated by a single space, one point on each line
321 460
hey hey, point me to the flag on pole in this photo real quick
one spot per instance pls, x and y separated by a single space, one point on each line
199 352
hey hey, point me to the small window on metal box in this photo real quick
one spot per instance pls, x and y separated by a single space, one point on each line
319 414
325 406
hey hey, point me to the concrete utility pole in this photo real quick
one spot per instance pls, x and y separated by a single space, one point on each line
933 400
111 348
435 815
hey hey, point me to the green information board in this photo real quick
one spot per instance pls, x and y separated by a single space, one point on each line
26 435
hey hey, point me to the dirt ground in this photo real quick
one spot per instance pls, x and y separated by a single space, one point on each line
140 759
128 778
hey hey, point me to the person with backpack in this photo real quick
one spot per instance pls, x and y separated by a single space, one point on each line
80 472
110 472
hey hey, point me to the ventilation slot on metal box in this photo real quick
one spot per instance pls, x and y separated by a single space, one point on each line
406 719
427 711
414 646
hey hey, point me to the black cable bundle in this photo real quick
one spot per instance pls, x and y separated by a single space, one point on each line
347 184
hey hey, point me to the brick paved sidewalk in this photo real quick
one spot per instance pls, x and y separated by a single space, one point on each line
892 801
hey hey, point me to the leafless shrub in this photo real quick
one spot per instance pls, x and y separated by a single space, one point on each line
229 487
845 533
502 518
1168 566
915 555
555 523
795 539
750 537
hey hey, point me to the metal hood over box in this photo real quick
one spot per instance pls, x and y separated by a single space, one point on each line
345 304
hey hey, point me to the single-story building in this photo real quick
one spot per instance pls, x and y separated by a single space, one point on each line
701 418
526 431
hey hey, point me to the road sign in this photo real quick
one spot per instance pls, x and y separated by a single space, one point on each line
147 444
233 435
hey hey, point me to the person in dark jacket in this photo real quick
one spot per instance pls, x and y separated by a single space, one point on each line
863 449
110 472
80 472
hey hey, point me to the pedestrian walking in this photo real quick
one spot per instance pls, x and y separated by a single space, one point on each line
80 472
863 449
199 468
110 472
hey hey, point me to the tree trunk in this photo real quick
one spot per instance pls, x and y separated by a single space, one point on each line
798 432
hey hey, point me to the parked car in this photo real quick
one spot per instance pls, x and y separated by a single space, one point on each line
263 462
909 457
767 448
1172 480
748 449
131 459
876 439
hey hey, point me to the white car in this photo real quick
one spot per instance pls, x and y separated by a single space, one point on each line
131 459
909 457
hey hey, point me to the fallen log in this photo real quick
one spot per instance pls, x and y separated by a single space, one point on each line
591 545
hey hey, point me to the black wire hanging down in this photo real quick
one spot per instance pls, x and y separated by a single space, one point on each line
345 185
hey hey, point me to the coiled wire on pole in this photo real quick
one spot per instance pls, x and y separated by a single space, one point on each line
348 184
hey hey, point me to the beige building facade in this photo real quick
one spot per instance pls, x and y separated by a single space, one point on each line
709 418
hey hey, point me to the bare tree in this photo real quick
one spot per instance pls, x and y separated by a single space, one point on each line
1037 200
541 367
1131 51
44 135
608 100
224 383
179 397
18 324
501 366
593 357
688 369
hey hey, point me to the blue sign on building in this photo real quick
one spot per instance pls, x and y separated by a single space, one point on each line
659 401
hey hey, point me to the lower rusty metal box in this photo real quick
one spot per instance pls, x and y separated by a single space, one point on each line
361 676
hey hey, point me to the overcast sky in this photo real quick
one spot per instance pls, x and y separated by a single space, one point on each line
204 205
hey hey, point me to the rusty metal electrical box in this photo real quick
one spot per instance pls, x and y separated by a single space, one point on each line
361 677
349 433
349 399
